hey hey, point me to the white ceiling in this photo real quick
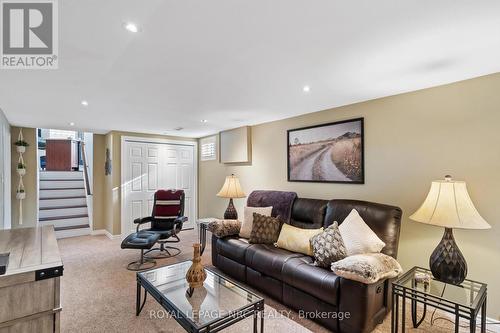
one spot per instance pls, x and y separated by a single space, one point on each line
236 62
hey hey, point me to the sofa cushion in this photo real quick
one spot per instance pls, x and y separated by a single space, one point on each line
267 259
308 213
301 273
384 220
233 248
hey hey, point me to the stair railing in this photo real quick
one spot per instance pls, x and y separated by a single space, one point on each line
85 168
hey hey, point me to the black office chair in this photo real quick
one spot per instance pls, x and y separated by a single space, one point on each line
166 220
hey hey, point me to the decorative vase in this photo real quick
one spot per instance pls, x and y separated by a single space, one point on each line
447 262
21 149
21 172
196 274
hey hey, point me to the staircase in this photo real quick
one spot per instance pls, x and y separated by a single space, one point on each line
63 203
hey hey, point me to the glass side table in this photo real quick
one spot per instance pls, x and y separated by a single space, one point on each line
202 226
463 301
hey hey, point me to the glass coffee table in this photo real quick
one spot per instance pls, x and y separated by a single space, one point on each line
219 304
465 300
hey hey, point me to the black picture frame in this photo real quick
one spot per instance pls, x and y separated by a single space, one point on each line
361 179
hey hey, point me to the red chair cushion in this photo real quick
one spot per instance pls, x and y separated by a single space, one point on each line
168 204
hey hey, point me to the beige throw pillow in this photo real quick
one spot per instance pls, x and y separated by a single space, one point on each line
358 237
296 239
367 268
246 226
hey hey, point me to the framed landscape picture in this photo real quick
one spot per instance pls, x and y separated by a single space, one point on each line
330 153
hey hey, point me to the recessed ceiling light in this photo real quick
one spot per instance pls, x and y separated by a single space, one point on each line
204 120
132 27
306 89
85 103
179 128
71 124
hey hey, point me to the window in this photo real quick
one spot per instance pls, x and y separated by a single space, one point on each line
208 148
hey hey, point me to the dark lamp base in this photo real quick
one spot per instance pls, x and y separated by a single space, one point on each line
230 213
447 262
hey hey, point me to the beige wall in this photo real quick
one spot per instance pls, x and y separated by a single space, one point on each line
5 171
30 204
98 196
410 140
112 183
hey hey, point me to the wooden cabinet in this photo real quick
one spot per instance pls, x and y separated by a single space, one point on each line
30 289
61 155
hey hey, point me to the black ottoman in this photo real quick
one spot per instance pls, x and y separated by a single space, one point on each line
142 240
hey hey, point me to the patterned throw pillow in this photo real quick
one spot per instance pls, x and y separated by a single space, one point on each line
328 246
367 268
224 228
265 229
246 225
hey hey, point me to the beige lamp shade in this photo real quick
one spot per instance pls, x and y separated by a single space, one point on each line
448 205
231 188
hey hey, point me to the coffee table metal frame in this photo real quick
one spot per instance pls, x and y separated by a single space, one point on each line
255 309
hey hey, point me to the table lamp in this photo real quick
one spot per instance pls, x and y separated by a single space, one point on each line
231 189
448 205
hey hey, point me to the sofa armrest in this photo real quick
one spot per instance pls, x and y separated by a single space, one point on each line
214 251
363 305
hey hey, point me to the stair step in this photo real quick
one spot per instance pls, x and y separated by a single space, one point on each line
61 193
65 222
62 180
60 175
62 212
55 218
71 227
72 233
63 207
48 203
66 188
61 184
61 198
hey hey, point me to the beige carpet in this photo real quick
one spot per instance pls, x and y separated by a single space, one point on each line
98 293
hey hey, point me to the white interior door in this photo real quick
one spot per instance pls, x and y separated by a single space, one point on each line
178 168
141 181
148 167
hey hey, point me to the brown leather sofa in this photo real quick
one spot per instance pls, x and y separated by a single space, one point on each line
339 304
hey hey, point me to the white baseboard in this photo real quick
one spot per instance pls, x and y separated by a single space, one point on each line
105 233
492 325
